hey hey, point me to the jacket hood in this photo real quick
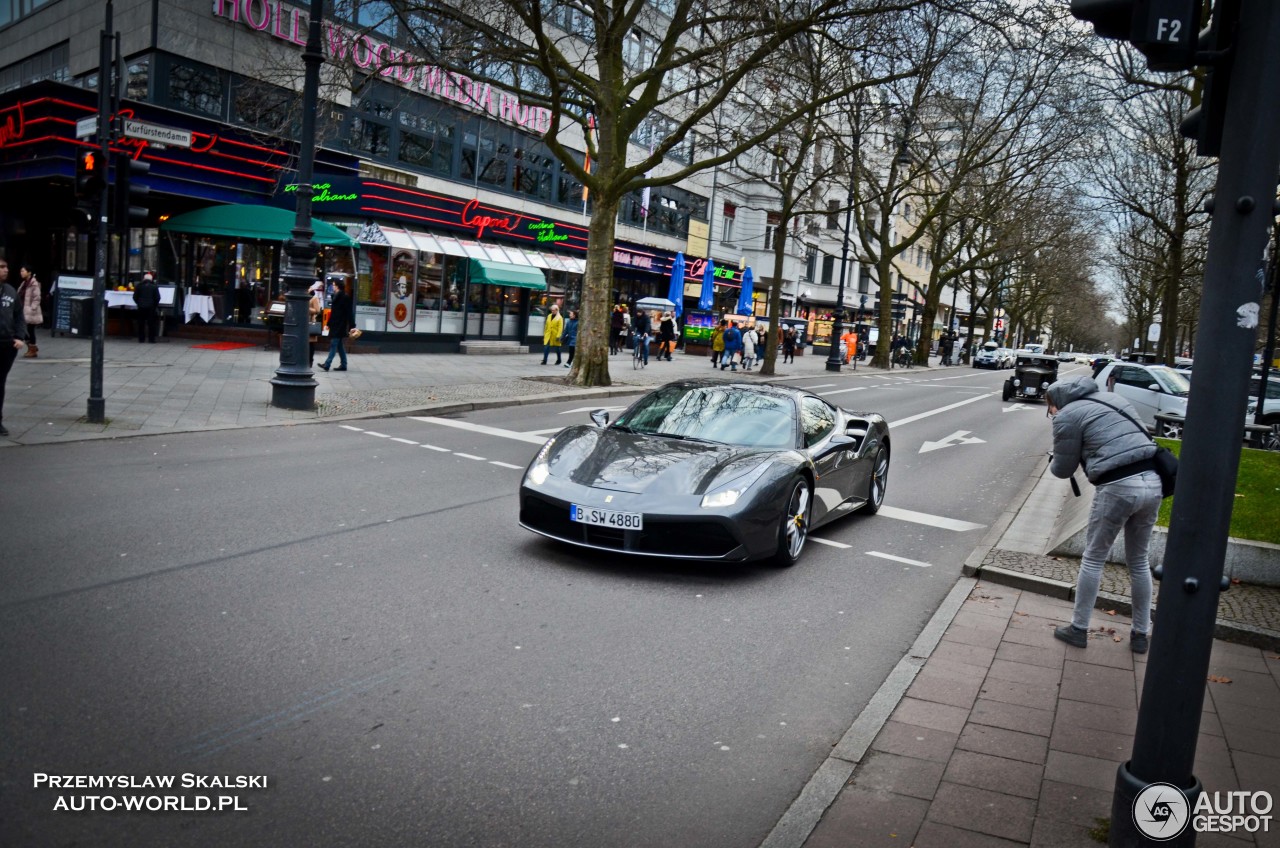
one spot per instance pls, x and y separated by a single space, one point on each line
1064 391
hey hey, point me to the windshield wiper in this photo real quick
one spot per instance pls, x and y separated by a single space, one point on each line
684 438
626 428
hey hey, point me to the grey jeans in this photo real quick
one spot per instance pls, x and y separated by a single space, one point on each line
1132 505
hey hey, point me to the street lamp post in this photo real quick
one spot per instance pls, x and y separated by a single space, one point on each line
293 386
834 361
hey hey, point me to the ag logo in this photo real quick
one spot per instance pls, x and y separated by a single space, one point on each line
1160 811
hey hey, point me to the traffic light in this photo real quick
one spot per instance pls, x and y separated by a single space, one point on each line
1204 122
1164 31
131 197
91 173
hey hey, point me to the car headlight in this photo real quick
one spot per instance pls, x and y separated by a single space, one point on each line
540 470
1016 382
1044 386
729 495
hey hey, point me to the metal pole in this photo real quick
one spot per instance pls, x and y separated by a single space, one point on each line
833 358
1173 691
293 386
96 411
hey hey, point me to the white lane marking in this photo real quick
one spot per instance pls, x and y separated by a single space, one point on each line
829 542
481 428
403 441
469 456
505 464
819 386
379 435
900 559
1015 407
941 409
959 437
545 432
931 520
842 391
591 409
434 448
349 427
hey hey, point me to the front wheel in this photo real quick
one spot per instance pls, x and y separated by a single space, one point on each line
1170 429
1007 394
794 530
1271 440
879 482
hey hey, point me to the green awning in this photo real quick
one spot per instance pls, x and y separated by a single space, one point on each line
247 221
505 274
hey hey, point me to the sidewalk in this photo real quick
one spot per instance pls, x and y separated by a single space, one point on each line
177 386
991 732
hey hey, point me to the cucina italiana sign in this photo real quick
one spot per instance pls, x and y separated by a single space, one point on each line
286 23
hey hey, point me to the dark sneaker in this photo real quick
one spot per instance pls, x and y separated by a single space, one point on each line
1072 635
1138 642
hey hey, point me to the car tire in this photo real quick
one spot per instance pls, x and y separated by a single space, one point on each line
879 482
1007 393
1170 430
793 531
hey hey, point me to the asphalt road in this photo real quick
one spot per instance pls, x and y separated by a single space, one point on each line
352 612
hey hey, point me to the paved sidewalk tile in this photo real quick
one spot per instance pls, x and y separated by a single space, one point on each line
984 811
868 817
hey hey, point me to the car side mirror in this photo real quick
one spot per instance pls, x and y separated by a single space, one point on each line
600 417
1154 387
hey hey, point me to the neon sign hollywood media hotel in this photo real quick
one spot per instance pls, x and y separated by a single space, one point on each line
289 24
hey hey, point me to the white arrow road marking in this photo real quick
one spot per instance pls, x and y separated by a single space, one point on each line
481 428
591 409
959 437
940 410
829 542
900 559
931 520
1015 407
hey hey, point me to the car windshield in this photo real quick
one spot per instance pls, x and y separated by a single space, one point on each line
1171 381
724 414
1273 386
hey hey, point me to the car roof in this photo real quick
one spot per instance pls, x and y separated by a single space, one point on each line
1034 354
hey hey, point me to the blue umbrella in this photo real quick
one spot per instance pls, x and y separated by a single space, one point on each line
708 286
676 293
745 306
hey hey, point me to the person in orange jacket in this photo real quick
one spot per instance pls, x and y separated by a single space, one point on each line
850 339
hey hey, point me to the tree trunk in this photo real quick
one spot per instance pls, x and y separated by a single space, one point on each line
591 360
885 272
775 300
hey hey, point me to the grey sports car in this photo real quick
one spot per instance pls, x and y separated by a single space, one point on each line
702 469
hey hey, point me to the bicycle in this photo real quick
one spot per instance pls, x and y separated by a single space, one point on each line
903 358
638 359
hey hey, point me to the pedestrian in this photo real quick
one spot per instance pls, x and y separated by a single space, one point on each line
749 341
717 343
666 336
570 337
789 346
315 320
617 328
551 333
29 294
1116 455
732 347
13 328
850 339
642 329
146 297
342 319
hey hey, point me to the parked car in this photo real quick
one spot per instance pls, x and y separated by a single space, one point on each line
1270 407
1066 357
1153 390
1007 357
988 357
1033 374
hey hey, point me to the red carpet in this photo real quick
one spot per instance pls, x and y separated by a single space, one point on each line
224 346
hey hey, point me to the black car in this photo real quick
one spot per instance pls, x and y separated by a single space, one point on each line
1033 374
702 469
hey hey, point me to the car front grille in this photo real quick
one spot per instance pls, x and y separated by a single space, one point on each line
660 537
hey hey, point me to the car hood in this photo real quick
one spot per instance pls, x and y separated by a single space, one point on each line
619 461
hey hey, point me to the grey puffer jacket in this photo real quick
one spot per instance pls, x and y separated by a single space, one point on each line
1089 434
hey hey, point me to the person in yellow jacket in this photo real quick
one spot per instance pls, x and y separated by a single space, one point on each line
717 343
551 333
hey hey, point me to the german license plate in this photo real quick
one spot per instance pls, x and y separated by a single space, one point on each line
606 517
1029 390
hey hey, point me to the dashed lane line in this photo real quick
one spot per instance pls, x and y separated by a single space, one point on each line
482 428
434 448
931 520
403 441
505 464
469 456
940 410
379 435
900 559
829 542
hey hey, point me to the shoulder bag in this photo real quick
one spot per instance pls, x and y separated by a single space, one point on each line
1163 462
